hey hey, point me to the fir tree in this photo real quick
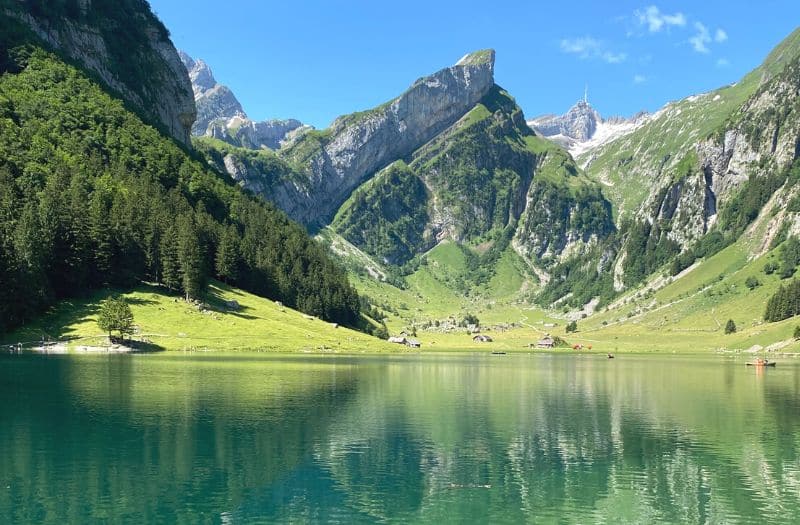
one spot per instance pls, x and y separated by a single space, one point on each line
190 259
227 259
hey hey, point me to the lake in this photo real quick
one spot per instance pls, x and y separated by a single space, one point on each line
470 438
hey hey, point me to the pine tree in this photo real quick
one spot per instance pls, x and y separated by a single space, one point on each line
170 267
190 259
227 260
730 327
101 235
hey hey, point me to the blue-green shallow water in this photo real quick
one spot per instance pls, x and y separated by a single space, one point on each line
245 438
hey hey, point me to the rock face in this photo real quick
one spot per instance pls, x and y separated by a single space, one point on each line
358 145
249 134
221 116
579 123
213 100
91 36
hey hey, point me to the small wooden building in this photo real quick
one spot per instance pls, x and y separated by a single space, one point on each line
413 343
400 340
546 342
482 338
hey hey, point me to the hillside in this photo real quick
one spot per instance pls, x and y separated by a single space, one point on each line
167 323
722 187
93 196
120 43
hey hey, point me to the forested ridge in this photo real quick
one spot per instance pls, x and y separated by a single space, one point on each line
91 196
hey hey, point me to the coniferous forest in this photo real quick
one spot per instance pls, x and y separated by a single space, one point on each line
91 196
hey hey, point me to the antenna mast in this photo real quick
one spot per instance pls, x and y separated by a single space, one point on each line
586 94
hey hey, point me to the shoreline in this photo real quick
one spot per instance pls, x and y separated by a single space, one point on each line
117 349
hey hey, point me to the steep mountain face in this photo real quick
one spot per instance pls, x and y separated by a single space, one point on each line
213 100
93 196
694 176
339 159
121 42
221 116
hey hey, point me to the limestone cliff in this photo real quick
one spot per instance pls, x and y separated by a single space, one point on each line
357 146
124 44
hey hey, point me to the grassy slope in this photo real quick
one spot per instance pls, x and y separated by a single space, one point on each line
172 324
626 166
685 315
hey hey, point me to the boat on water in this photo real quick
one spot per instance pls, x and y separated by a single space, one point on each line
498 353
761 362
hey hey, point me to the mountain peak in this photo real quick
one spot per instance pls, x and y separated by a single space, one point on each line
579 123
199 73
478 58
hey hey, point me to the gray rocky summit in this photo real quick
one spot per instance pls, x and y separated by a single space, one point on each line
220 114
579 123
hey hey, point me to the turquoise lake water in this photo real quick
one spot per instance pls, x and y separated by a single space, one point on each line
254 438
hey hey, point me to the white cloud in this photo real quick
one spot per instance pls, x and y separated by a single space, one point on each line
655 20
590 48
639 79
723 62
701 39
652 20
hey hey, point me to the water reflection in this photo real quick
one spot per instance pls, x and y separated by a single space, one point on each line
169 438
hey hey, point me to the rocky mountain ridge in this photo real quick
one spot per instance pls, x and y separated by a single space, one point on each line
337 160
220 114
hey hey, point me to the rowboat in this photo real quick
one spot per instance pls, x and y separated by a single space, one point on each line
757 363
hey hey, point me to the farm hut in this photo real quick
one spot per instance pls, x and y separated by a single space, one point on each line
546 342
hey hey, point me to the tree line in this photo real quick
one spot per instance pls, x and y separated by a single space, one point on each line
91 197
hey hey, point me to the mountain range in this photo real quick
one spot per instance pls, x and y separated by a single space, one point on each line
575 212
579 198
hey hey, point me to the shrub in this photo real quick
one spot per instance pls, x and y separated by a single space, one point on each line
752 283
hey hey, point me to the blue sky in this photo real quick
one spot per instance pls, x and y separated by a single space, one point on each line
315 60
